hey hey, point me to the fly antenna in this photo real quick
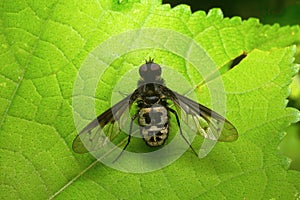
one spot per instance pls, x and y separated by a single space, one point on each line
151 60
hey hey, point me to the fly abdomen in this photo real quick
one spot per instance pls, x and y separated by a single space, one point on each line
154 136
154 123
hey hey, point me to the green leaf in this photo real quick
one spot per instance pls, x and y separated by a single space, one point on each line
43 46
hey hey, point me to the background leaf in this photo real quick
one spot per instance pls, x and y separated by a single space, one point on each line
283 12
42 48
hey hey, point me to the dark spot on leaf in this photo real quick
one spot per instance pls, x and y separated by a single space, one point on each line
237 60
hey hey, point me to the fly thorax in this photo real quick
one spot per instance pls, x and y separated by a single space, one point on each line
151 99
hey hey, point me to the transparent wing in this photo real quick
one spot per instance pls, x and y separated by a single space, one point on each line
208 123
106 127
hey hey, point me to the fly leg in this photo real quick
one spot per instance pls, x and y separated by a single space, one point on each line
178 123
129 137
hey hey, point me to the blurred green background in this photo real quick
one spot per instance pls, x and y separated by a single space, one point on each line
283 12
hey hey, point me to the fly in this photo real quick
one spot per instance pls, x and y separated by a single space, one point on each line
153 116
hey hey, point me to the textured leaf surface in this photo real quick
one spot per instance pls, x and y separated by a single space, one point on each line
42 48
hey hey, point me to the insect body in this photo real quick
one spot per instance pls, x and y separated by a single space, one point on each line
153 115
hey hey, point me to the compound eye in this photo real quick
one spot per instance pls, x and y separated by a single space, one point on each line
143 69
155 68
